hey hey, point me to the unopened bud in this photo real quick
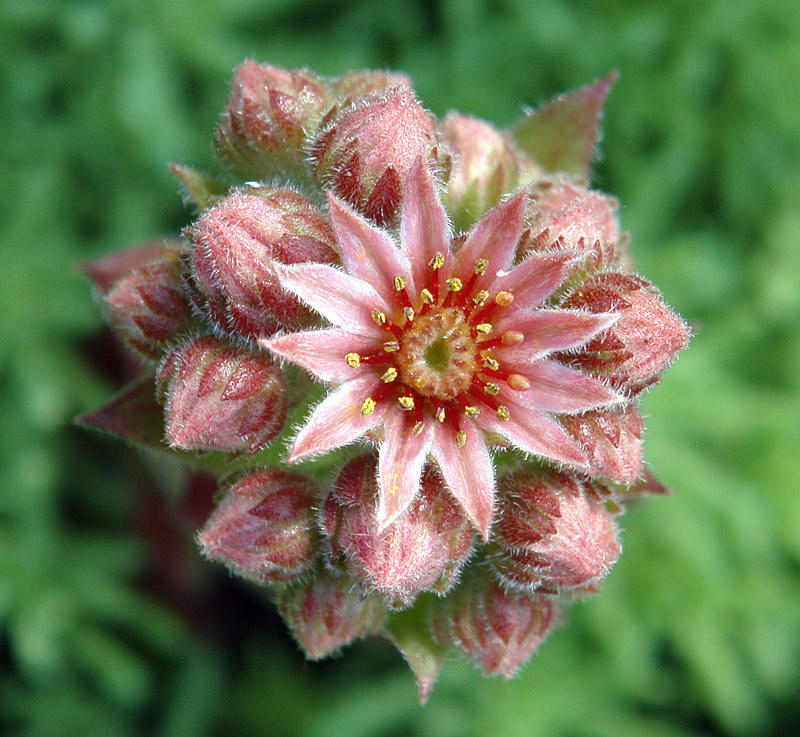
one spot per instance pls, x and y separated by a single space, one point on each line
220 397
264 528
423 550
233 246
362 82
326 614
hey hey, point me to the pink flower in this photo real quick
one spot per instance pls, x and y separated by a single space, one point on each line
441 347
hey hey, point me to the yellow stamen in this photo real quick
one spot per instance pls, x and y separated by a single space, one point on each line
353 360
503 413
490 363
399 283
427 297
440 414
379 317
409 313
484 328
437 261
480 298
368 407
471 412
389 375
504 299
512 337
406 403
518 382
417 429
480 266
461 439
454 285
391 346
492 389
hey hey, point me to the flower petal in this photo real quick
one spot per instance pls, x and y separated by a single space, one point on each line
423 224
535 432
468 472
322 352
337 420
546 331
537 277
402 457
558 388
494 238
343 299
369 253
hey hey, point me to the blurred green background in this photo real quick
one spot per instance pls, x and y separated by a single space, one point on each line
110 624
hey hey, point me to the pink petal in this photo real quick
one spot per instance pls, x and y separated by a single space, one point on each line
558 388
494 237
343 299
369 253
401 460
423 224
337 419
535 432
537 277
322 352
468 472
547 331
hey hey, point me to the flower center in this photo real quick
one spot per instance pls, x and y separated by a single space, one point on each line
438 356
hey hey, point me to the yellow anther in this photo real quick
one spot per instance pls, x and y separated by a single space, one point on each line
490 363
480 298
440 414
406 403
368 407
492 389
417 429
454 285
518 382
504 299
512 337
353 360
503 413
480 266
391 346
437 261
484 328
409 313
399 282
389 375
461 439
427 297
378 316
471 412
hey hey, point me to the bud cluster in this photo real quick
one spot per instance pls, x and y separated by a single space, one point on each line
440 290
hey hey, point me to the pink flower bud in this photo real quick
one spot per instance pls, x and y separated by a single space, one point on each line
264 124
423 550
641 344
234 246
362 82
562 215
264 528
149 307
105 272
326 614
498 629
366 150
220 397
612 441
554 532
486 165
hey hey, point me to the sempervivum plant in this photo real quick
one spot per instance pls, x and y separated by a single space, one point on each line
411 349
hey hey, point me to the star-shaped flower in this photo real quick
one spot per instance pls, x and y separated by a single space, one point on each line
440 348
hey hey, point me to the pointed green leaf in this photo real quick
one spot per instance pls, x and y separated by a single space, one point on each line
197 188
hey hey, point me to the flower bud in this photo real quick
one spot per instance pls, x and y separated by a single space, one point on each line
220 397
326 614
423 550
267 117
234 245
105 272
362 82
149 308
611 440
641 344
365 151
486 165
264 528
554 532
498 629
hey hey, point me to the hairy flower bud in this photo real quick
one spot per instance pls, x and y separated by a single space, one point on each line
486 165
423 550
612 441
641 344
264 528
234 245
366 150
554 532
220 397
497 629
362 82
268 115
326 614
149 307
